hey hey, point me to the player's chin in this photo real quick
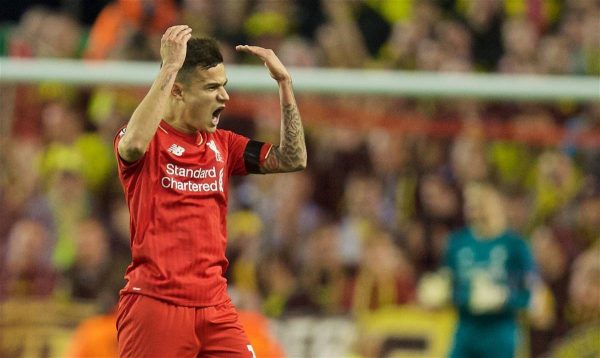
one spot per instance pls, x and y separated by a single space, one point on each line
211 128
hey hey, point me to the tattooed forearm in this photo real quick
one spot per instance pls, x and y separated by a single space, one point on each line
293 148
290 154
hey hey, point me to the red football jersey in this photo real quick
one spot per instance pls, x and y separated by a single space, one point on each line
177 198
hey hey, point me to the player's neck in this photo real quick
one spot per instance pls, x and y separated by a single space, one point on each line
175 118
180 126
488 230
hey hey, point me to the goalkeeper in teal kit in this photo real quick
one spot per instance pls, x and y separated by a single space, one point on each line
489 270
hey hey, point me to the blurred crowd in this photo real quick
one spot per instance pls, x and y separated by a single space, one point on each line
355 231
508 36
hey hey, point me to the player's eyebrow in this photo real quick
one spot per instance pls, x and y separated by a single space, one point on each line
214 83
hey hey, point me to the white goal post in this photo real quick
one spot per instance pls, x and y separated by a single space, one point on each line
319 80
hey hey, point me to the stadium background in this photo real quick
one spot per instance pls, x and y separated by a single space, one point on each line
325 262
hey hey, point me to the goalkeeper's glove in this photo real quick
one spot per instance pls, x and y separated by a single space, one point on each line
434 289
486 295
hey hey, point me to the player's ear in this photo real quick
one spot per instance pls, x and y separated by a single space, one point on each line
177 91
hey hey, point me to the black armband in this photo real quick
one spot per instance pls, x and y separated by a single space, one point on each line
252 156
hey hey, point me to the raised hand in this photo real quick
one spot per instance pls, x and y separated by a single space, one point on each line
173 45
145 119
276 68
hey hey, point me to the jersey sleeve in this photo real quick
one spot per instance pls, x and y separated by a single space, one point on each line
459 292
524 276
448 255
126 168
246 155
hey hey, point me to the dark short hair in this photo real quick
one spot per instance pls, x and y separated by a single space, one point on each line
201 53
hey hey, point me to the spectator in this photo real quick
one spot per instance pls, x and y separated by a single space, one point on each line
584 295
68 145
362 206
70 203
385 276
89 272
28 271
123 20
323 274
244 231
46 33
282 293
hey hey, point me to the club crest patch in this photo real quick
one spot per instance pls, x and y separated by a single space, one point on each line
214 148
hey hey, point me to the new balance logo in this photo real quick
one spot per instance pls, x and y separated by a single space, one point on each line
214 148
175 149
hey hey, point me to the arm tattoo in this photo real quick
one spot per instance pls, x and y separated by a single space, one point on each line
162 87
290 155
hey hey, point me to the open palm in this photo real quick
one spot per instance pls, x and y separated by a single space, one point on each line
276 68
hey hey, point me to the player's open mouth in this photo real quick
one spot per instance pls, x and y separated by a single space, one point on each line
216 115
